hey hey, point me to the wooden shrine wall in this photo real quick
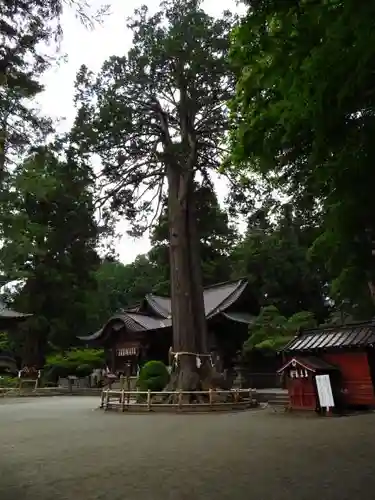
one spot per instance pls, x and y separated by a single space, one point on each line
356 377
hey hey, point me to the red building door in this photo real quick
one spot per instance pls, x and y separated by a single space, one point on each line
302 393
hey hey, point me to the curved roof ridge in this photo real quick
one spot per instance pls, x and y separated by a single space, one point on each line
156 307
208 287
133 320
222 283
230 299
216 301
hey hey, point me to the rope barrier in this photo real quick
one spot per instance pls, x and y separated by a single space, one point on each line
197 355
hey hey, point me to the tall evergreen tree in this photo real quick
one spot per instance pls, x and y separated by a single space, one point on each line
157 116
30 32
50 243
274 257
304 120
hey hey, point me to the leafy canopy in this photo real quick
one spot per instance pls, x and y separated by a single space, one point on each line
216 234
303 118
163 103
273 256
271 330
50 242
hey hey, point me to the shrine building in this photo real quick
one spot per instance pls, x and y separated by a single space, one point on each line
144 332
331 368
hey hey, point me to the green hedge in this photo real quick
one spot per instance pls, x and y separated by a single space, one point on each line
153 376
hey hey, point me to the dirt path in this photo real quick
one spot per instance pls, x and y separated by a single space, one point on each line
60 448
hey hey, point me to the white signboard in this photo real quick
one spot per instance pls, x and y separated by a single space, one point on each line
127 351
323 385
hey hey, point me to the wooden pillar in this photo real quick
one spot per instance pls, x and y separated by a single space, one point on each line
113 360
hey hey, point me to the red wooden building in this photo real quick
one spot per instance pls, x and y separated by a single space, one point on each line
345 353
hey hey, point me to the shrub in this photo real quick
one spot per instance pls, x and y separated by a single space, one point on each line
79 362
6 381
153 376
83 370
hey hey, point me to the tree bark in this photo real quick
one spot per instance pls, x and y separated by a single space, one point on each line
188 316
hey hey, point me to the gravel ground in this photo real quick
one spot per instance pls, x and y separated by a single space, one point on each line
61 448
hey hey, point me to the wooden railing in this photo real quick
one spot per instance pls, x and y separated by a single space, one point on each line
31 384
149 400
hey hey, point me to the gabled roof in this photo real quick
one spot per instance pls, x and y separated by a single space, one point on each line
133 321
310 363
217 299
350 335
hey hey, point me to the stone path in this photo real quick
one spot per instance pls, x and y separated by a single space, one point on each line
60 448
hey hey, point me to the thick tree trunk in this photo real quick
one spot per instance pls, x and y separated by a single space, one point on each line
188 316
192 368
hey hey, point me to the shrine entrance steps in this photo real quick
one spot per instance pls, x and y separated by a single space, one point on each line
277 399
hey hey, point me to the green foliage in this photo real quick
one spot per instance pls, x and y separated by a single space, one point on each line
6 381
83 370
49 240
5 344
271 331
307 128
79 362
120 285
273 255
26 30
156 118
217 237
129 114
153 376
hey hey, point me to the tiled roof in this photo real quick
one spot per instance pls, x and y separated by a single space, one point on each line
351 335
133 321
217 299
240 317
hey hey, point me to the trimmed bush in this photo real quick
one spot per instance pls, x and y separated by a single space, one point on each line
78 362
83 371
153 376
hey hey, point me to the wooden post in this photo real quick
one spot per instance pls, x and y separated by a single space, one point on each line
180 400
149 400
128 388
106 400
123 400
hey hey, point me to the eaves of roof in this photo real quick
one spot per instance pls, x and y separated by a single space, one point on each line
351 335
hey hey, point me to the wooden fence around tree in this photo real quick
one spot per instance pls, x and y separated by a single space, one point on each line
153 400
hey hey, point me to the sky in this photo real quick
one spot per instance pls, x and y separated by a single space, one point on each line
92 48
